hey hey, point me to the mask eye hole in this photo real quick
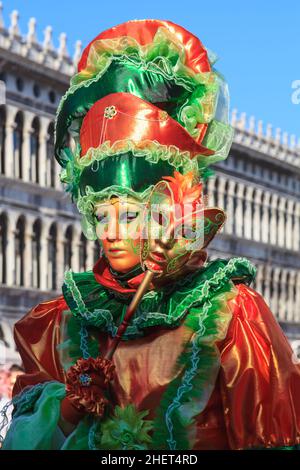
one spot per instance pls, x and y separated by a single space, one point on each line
189 231
128 216
159 218
102 218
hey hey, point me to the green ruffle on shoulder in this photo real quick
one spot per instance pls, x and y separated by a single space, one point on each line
96 306
35 418
92 306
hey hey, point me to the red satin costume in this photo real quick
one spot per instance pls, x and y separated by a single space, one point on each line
255 402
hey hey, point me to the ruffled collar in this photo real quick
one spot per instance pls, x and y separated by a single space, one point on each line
97 299
123 283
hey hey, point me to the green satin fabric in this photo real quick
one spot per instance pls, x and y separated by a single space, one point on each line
35 421
127 78
126 171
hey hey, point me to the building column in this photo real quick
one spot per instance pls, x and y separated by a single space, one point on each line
61 228
45 226
248 213
281 223
275 303
28 255
296 229
10 249
58 184
297 306
291 312
43 137
26 147
90 255
228 226
273 221
283 297
259 279
210 192
238 216
221 182
267 284
11 112
289 225
76 248
256 222
265 222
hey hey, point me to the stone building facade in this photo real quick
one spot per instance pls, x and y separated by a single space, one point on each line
40 233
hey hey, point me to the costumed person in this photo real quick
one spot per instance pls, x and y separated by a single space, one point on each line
155 347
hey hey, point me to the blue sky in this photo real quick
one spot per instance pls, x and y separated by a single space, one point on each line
258 43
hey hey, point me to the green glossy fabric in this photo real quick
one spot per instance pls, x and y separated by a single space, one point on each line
35 419
120 170
121 77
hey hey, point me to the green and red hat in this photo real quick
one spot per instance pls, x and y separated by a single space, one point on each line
126 145
159 62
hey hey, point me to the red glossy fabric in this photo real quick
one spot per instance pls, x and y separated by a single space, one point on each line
143 31
255 402
260 377
136 120
36 336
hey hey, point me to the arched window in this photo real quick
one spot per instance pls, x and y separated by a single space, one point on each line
2 140
50 157
3 242
52 263
82 253
34 151
68 248
19 252
36 250
18 144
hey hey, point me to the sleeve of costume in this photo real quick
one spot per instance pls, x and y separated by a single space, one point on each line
38 392
260 377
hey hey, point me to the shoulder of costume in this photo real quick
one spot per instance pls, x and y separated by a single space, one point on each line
45 316
36 332
52 307
250 305
79 286
239 270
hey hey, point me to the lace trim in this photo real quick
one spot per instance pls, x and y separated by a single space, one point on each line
187 396
150 150
164 56
177 308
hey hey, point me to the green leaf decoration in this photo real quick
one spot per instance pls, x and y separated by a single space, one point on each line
126 430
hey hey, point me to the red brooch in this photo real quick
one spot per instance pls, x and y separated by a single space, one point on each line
87 383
